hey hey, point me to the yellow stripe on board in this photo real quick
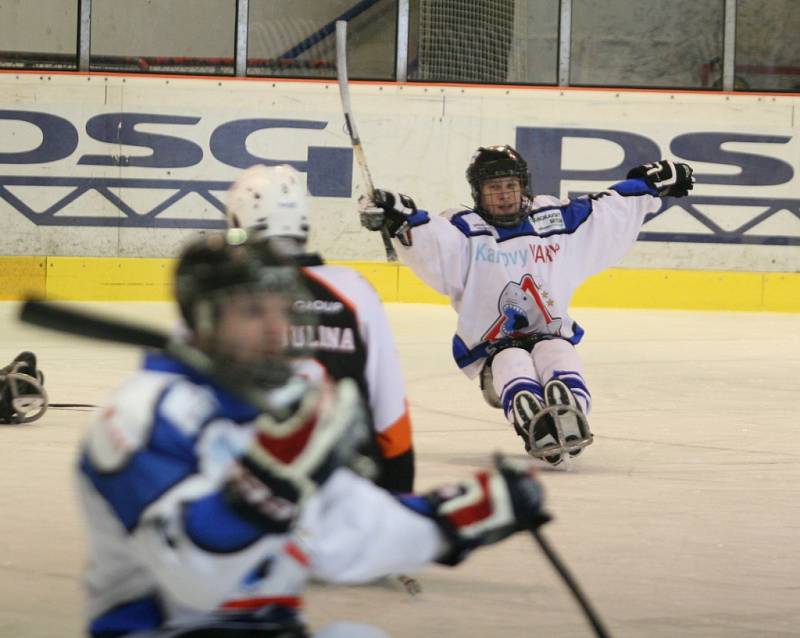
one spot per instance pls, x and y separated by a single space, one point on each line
691 290
675 289
381 274
22 277
782 292
109 279
142 279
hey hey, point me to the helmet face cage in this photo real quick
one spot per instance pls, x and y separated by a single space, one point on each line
270 371
269 202
210 273
498 161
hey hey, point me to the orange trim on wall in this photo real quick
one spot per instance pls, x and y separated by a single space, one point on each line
332 80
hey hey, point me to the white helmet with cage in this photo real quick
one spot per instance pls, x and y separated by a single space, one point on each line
268 202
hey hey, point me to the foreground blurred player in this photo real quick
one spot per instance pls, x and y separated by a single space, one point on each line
351 338
207 513
510 266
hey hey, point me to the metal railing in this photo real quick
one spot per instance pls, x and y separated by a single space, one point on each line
240 65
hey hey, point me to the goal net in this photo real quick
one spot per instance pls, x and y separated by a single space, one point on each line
464 40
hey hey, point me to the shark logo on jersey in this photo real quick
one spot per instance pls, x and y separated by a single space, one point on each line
523 310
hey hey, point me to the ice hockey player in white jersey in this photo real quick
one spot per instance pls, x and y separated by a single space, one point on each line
350 337
510 266
213 483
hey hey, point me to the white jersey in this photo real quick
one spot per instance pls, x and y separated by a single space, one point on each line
165 546
508 283
352 339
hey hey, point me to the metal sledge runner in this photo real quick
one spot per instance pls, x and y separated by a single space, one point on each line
567 434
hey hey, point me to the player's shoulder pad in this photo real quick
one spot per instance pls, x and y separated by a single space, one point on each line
344 284
552 216
448 213
469 222
547 214
124 426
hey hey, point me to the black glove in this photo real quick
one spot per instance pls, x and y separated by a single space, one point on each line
386 209
487 508
289 459
669 178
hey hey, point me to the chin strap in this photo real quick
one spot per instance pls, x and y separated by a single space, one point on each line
508 221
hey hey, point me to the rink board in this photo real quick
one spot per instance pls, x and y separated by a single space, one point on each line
104 177
130 166
100 279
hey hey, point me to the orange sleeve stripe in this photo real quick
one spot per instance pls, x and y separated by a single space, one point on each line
396 439
338 294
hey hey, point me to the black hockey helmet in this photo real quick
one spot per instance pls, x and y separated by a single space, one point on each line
489 162
214 268
222 263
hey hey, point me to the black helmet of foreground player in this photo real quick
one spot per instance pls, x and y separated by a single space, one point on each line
238 307
490 163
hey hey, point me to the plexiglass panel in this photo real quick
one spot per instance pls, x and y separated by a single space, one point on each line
297 38
645 44
178 36
767 45
37 34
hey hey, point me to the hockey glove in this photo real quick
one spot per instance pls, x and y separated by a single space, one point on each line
669 178
387 210
487 508
290 458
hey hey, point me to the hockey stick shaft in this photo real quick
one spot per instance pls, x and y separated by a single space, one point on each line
84 324
591 615
352 131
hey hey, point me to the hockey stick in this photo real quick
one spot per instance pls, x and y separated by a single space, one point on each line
350 123
84 324
572 584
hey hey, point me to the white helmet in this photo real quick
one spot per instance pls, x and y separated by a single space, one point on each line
269 202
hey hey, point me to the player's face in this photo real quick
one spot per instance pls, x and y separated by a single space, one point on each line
253 326
501 196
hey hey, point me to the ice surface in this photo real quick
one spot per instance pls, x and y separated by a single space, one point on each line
682 519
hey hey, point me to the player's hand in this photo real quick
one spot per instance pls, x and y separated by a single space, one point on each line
386 209
371 215
290 458
489 507
670 179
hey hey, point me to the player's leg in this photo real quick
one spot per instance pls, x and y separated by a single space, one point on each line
512 377
560 368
